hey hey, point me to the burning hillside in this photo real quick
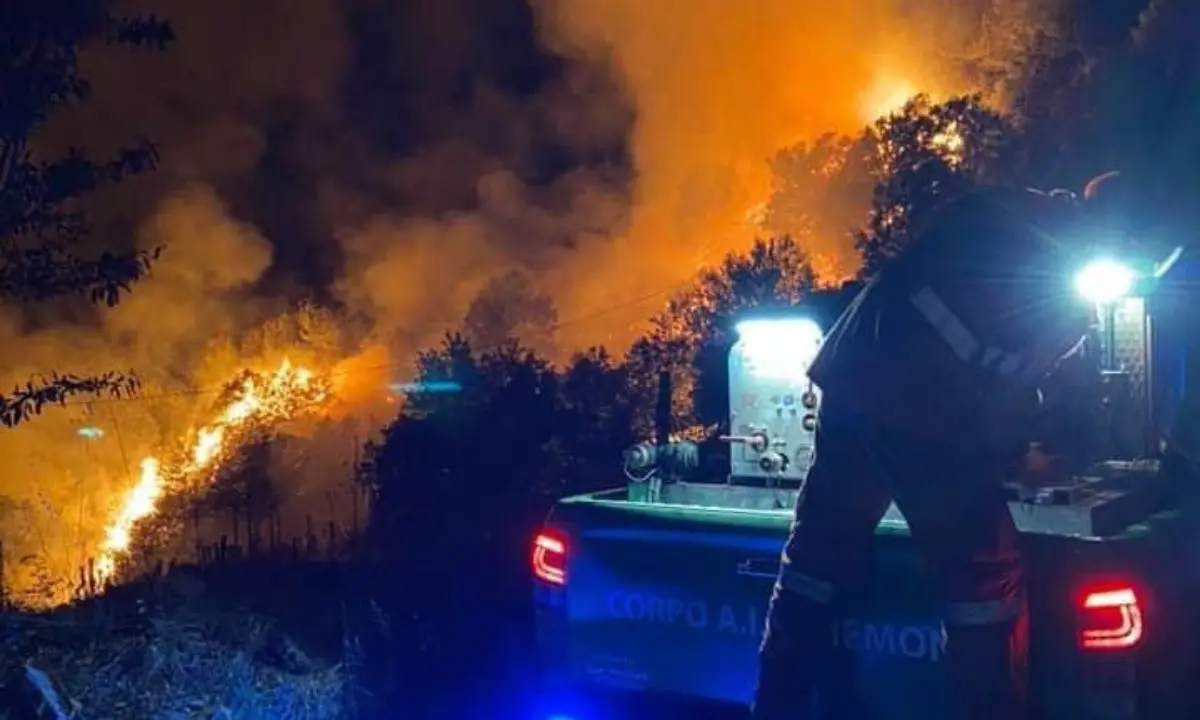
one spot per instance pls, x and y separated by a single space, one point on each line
253 402
624 155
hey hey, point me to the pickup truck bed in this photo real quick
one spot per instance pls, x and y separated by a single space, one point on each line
666 599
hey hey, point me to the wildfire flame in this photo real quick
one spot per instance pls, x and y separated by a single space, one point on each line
886 98
254 400
950 144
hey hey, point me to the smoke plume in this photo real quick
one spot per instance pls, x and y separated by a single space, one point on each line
721 87
397 162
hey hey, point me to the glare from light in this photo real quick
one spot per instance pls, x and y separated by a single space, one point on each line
1105 281
90 433
426 388
1163 267
799 329
780 348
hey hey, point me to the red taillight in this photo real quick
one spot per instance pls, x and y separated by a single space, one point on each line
550 558
1110 618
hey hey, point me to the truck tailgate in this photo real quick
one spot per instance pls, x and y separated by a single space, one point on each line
673 600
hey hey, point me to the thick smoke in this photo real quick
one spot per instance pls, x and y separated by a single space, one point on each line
720 87
399 161
57 478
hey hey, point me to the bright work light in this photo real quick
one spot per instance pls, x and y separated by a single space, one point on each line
1105 281
780 347
798 332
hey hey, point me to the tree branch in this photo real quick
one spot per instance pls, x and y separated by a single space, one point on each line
24 402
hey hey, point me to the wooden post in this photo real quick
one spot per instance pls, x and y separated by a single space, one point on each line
662 415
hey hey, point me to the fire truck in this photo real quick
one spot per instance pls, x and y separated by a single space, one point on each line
650 597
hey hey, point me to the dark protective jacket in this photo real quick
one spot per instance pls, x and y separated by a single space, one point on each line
951 339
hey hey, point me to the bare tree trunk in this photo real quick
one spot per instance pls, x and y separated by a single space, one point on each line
251 535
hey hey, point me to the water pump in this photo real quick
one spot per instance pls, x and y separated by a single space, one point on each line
772 403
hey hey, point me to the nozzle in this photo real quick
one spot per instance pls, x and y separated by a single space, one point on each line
757 442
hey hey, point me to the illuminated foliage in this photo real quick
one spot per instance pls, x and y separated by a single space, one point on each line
926 154
822 191
40 229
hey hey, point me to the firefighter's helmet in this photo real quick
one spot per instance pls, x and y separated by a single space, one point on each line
1108 199
1104 185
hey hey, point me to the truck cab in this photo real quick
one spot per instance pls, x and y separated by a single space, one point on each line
650 597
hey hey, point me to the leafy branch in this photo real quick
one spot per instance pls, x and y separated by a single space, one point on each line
28 400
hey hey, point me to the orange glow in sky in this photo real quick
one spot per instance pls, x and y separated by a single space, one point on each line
884 97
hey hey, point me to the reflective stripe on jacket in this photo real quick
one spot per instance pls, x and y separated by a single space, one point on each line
978 309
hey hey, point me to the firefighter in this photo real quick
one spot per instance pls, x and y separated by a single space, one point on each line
930 381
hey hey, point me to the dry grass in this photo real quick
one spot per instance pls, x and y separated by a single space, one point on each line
157 651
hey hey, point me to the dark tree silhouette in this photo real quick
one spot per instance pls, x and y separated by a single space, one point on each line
41 226
927 154
243 492
594 422
477 469
1141 112
478 450
690 337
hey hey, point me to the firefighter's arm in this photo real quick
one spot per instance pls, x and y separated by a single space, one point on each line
1009 418
1014 435
1055 446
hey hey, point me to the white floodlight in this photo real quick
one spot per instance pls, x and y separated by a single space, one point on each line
1105 281
780 347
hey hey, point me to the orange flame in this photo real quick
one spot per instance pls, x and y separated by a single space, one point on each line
885 98
285 394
